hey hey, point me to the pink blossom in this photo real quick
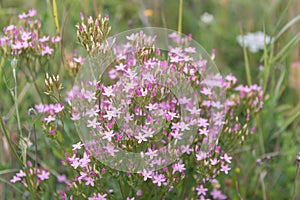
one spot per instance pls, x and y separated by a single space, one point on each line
44 175
47 50
225 168
158 179
201 190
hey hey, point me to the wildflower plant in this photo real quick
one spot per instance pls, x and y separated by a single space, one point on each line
27 47
155 117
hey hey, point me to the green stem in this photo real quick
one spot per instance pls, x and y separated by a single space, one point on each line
1 64
248 74
18 117
8 140
295 183
180 16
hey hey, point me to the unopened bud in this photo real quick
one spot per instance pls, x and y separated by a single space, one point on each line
298 158
31 112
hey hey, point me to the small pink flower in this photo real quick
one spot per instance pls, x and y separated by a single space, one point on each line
89 181
31 13
201 190
158 179
79 60
225 169
55 39
44 39
15 179
77 146
44 175
49 119
47 50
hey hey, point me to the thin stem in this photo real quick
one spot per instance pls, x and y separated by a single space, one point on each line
296 182
180 16
121 190
8 140
1 64
247 68
261 178
18 117
35 144
238 190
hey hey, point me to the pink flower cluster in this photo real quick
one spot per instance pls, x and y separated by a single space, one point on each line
141 111
35 175
51 112
25 38
160 116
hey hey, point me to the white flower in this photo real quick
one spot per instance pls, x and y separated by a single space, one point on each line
254 41
207 18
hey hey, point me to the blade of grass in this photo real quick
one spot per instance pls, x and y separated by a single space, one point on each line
12 185
6 171
266 63
295 115
287 26
282 16
283 53
278 86
247 68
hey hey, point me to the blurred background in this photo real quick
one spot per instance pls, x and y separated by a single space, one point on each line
265 166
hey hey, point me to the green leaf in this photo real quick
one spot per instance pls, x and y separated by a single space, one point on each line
287 26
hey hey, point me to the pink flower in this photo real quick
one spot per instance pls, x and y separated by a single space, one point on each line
108 91
44 39
147 174
22 16
89 181
141 137
158 179
178 167
49 119
226 158
58 108
93 123
18 45
44 175
225 168
110 149
201 190
217 194
98 196
21 174
56 39
47 50
186 149
15 179
31 13
77 146
79 60
61 178
151 153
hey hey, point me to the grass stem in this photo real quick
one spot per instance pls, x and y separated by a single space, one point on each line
180 16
